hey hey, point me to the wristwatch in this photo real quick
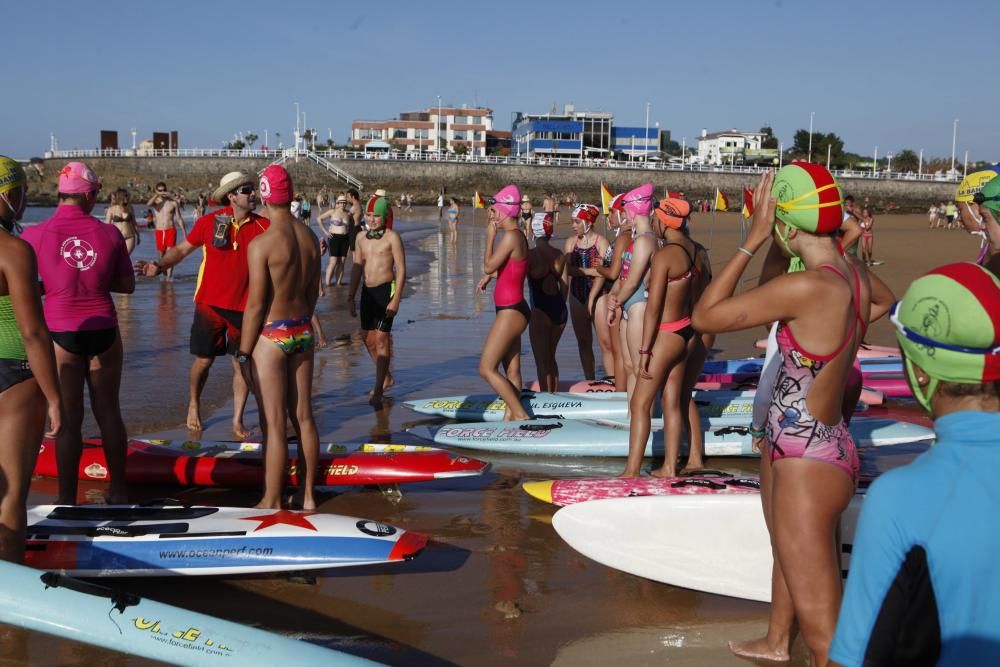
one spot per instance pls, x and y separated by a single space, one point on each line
242 358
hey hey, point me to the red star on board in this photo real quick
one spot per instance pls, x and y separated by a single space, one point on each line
286 517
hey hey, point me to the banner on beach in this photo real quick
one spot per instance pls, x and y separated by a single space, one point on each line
721 201
478 201
606 198
747 203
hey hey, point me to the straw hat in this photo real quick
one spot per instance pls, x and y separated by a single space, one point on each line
230 182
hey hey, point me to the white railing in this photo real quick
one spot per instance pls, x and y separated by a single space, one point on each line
416 156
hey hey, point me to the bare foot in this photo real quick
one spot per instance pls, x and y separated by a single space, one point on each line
240 431
759 649
321 343
664 472
302 501
388 382
628 474
375 398
194 417
511 417
266 504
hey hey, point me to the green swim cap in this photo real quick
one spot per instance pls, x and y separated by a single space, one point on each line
808 198
948 323
11 174
378 206
991 195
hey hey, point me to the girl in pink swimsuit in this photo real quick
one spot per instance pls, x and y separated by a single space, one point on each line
509 262
809 466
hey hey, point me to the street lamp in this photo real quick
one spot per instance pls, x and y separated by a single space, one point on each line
437 130
954 135
683 151
888 168
133 138
298 128
810 158
920 164
645 137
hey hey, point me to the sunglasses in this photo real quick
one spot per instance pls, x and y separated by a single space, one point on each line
980 198
244 190
910 334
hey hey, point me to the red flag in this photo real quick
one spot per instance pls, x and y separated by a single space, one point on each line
747 203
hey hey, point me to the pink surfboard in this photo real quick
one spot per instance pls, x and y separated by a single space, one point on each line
569 491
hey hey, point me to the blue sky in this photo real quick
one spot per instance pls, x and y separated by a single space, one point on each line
878 73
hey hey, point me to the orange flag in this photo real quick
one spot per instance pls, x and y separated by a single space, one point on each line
606 198
478 201
721 201
747 203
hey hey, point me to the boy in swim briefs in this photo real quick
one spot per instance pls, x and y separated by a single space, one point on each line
380 260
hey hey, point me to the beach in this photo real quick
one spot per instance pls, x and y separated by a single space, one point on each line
497 586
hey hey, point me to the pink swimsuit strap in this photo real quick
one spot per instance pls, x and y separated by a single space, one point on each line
858 320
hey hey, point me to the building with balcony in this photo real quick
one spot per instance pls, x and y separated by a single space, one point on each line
579 134
435 129
732 146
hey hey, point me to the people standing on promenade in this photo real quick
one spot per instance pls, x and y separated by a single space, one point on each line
380 269
508 262
675 283
608 335
29 385
922 587
167 219
584 251
221 292
120 214
337 233
81 262
547 286
867 223
809 465
283 266
627 299
453 211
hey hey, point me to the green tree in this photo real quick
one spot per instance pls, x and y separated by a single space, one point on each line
461 149
770 141
236 145
251 138
907 160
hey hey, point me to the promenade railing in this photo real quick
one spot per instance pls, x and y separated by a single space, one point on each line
326 155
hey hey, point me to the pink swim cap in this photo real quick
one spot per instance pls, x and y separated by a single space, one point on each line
275 186
639 201
77 178
508 201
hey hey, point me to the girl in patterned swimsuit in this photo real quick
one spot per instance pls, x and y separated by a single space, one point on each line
608 334
809 468
584 252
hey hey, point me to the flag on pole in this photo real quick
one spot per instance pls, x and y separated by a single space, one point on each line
478 201
747 203
675 195
606 198
721 201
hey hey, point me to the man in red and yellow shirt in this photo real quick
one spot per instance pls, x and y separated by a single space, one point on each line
221 293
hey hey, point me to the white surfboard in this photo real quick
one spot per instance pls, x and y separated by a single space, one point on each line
712 543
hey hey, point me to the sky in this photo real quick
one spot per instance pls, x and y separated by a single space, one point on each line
887 74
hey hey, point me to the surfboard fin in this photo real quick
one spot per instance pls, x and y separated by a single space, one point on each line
120 599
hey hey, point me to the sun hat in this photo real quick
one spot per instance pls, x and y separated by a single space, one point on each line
508 201
673 212
341 199
380 192
78 178
525 199
228 183
948 323
276 186
11 174
808 198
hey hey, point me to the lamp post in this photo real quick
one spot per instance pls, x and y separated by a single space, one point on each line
888 168
683 151
965 165
298 128
875 163
133 138
954 135
645 137
920 164
810 158
437 130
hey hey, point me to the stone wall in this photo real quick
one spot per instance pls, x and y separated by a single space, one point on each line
424 179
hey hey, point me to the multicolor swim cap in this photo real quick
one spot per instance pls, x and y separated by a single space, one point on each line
11 174
587 213
673 212
378 206
975 182
616 202
989 196
276 186
541 225
808 198
508 201
638 201
948 323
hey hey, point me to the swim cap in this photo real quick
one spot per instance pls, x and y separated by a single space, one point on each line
77 178
508 201
974 182
989 196
639 201
588 213
673 212
11 174
276 186
948 323
616 202
378 206
541 225
808 198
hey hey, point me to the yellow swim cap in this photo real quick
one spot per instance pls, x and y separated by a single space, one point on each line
11 174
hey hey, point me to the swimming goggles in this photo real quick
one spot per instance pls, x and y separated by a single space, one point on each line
374 234
912 335
980 198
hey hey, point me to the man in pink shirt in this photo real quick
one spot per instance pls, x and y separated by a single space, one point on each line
81 261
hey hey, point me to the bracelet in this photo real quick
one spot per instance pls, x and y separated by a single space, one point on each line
757 432
744 251
641 351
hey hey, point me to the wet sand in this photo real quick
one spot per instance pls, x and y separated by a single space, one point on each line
497 586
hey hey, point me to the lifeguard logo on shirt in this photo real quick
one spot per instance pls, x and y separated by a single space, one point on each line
78 253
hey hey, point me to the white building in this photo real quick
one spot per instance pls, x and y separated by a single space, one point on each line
729 145
443 128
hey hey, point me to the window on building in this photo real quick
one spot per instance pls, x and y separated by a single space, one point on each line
421 134
399 134
459 135
461 119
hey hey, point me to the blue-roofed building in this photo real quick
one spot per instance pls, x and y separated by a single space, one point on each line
580 134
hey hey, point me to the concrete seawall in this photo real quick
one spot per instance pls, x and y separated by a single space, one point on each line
424 179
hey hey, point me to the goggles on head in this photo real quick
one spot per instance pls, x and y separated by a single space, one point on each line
912 335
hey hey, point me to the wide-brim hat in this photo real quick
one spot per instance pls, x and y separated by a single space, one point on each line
230 182
380 192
